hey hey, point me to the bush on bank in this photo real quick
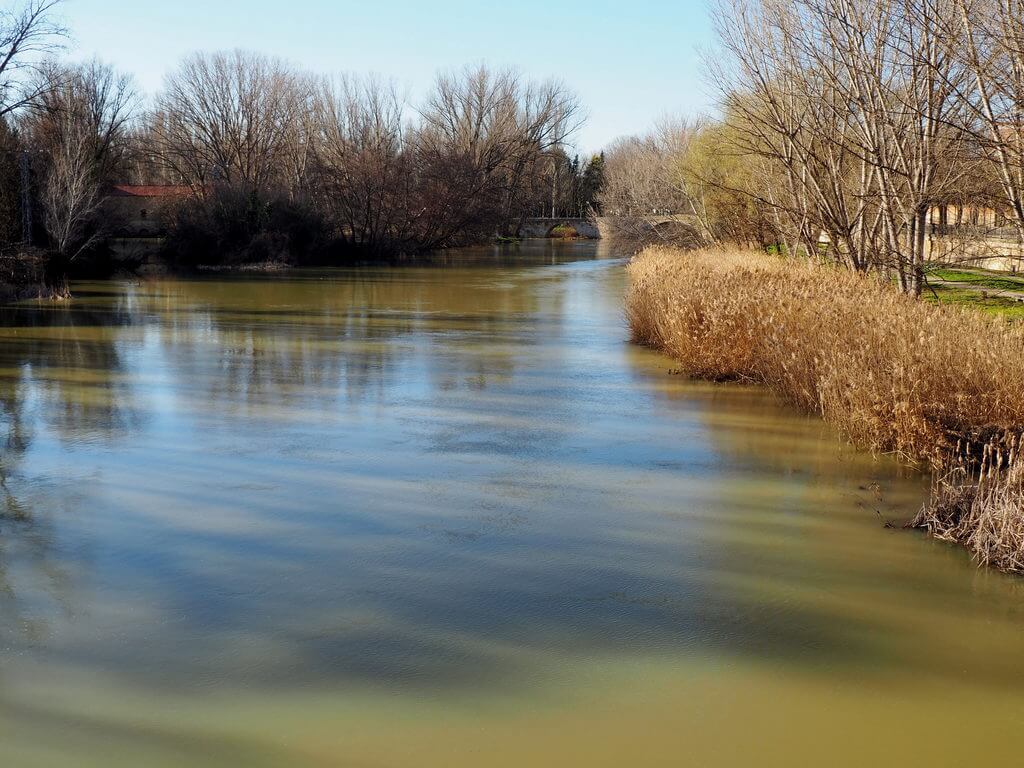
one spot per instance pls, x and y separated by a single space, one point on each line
25 274
931 384
237 226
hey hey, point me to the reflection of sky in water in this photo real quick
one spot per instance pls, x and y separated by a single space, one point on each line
428 480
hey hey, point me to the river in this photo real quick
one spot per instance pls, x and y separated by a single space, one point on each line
446 515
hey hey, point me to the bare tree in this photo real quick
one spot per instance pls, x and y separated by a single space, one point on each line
247 132
992 34
229 117
645 181
481 134
29 33
79 126
790 122
362 172
71 192
856 103
903 75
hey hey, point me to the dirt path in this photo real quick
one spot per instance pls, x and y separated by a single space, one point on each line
1003 293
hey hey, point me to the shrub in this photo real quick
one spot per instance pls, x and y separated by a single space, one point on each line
238 226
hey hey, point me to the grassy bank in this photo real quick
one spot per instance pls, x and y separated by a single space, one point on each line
996 293
933 384
981 278
993 303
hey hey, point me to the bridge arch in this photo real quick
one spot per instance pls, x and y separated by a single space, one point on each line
545 227
567 226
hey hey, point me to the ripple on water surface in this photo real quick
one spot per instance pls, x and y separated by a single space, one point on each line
446 515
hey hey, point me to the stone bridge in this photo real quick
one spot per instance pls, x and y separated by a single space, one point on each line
604 226
587 228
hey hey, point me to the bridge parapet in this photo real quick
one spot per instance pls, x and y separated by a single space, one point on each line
543 227
679 227
602 226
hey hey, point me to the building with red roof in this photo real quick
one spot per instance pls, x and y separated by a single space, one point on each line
138 209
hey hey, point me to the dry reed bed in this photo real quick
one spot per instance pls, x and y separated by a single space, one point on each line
938 385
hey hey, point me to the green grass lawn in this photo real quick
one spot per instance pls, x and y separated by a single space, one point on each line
996 281
952 295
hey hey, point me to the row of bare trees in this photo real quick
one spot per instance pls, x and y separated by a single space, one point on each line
683 170
29 34
382 177
65 134
856 117
276 157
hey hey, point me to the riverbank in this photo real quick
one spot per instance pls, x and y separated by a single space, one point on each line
23 276
935 385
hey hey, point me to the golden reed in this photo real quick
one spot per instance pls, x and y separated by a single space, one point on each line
931 384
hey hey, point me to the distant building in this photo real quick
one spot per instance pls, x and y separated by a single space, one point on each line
139 210
974 234
968 235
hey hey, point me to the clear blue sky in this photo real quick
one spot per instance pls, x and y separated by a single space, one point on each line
631 62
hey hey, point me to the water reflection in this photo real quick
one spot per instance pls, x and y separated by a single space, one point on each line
454 482
62 381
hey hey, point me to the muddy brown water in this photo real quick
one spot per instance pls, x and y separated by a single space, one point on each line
447 515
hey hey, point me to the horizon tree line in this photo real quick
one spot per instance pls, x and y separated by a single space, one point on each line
280 162
843 123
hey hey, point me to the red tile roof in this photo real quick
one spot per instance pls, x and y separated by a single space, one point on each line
165 190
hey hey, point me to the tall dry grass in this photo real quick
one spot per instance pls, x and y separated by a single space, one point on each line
938 385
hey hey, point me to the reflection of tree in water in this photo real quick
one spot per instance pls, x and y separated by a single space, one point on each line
254 343
357 335
60 370
456 343
34 584
64 360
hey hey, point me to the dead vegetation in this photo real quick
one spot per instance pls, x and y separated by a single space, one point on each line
936 385
982 509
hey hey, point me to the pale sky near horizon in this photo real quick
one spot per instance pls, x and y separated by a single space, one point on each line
631 63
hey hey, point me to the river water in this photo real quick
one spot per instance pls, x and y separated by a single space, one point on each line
447 515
